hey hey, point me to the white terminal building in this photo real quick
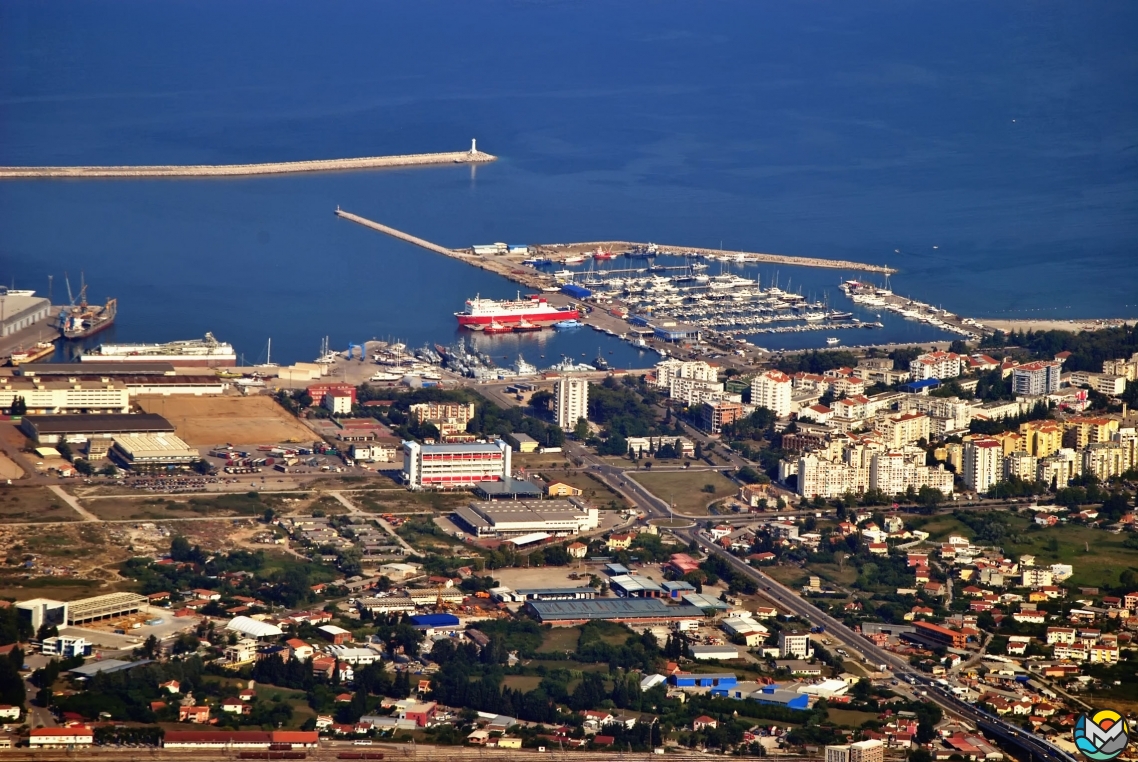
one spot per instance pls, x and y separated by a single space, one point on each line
509 518
454 466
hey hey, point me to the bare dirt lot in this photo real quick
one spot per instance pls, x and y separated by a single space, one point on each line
23 504
205 421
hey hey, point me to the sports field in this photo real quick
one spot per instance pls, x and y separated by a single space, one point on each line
206 421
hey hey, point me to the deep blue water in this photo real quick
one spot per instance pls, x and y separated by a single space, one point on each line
1006 135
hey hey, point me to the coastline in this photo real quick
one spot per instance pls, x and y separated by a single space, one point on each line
244 170
1054 324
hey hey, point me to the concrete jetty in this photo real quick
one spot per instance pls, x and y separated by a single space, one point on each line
400 234
556 249
473 156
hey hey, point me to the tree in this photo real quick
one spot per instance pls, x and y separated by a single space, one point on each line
84 467
19 407
64 449
581 430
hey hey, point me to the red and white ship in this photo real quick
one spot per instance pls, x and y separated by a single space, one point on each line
497 316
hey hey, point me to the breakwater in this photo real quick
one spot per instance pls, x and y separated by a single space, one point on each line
556 249
472 156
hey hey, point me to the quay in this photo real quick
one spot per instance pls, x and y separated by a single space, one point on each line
562 250
473 156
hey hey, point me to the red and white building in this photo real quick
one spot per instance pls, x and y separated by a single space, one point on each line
454 466
318 391
61 738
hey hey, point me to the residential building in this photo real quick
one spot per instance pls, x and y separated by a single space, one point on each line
720 413
1106 460
1021 465
454 465
571 400
1084 431
1036 378
939 365
983 463
826 478
772 390
1059 468
697 370
860 751
338 402
693 391
450 418
318 391
894 472
904 429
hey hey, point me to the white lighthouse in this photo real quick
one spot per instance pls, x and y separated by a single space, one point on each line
473 146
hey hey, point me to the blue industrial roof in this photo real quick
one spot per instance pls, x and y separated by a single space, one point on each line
678 584
577 292
434 620
916 386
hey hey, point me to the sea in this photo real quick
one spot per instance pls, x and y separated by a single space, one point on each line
988 151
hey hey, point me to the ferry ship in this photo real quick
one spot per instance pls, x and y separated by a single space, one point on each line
494 315
204 352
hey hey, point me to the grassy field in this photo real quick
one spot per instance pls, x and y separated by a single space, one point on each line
175 506
24 504
686 488
940 527
422 533
593 489
401 501
523 683
845 575
848 717
1098 557
787 575
559 639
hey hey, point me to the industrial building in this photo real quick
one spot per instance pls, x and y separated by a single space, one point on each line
555 594
43 611
454 466
635 611
22 311
518 517
627 586
106 606
53 429
703 680
141 451
66 396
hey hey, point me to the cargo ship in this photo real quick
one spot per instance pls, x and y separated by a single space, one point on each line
500 316
205 352
78 321
38 352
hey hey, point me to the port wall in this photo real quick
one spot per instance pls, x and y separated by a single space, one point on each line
240 170
749 256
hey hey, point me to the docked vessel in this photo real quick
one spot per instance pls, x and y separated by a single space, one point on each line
38 352
567 324
78 321
204 352
497 316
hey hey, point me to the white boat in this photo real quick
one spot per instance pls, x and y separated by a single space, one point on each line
832 341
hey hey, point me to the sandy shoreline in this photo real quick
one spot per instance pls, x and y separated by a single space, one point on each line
1051 324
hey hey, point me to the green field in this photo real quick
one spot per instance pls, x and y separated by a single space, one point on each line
559 639
1098 557
30 504
523 683
685 489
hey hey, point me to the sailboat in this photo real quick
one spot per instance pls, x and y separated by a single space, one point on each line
268 363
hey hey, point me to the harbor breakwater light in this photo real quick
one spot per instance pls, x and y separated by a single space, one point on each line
473 156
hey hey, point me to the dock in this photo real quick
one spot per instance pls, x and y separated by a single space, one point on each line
562 250
473 156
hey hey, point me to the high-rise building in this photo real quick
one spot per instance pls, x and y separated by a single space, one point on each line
571 400
983 463
1036 378
772 390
